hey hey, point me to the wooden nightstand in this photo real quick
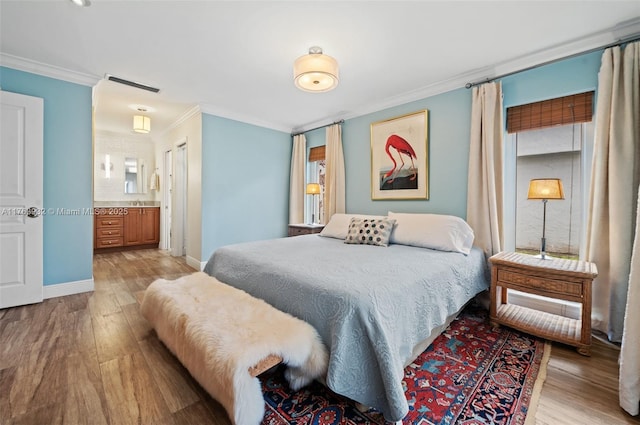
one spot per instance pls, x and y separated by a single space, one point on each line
558 278
304 229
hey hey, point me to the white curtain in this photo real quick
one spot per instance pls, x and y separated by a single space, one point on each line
615 177
629 384
613 213
485 192
334 186
297 180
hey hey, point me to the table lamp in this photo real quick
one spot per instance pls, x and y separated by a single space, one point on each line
313 189
545 189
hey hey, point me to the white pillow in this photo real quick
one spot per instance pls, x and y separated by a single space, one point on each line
435 231
338 226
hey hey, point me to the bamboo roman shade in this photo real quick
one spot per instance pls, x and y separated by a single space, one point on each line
572 109
316 154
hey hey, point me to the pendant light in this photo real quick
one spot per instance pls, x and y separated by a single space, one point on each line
141 124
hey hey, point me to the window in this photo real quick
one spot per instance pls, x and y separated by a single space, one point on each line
315 174
549 139
551 152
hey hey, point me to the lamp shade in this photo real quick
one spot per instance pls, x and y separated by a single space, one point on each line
141 124
315 72
313 189
545 189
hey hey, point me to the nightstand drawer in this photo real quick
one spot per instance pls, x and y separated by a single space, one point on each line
297 231
539 283
304 229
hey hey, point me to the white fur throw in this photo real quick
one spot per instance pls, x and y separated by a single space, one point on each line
218 332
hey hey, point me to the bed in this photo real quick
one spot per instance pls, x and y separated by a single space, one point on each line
375 307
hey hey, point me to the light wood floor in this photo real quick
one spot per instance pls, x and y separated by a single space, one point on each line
92 359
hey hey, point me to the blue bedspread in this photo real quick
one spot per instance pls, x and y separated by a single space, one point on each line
371 305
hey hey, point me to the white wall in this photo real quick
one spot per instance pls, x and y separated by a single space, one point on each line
550 153
118 147
189 128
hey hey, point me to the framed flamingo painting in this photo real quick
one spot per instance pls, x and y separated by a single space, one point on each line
400 157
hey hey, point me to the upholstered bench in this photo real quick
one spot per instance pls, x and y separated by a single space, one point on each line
225 338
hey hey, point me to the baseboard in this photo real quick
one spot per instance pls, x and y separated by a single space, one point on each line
198 265
549 305
68 288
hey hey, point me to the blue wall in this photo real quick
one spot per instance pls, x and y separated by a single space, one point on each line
448 135
245 183
245 168
316 138
68 239
563 78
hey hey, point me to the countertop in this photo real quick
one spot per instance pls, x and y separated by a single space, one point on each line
123 204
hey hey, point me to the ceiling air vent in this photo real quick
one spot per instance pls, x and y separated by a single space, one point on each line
132 84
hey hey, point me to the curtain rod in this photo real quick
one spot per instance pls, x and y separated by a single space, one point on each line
629 39
317 128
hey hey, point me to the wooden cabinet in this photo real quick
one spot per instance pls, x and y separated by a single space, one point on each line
142 226
133 227
557 278
130 227
108 230
150 225
304 229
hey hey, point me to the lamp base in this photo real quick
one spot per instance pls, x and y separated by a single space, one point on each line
543 248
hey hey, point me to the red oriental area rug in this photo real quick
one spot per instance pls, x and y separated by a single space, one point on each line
473 373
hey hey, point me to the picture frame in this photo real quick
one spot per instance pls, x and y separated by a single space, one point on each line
400 157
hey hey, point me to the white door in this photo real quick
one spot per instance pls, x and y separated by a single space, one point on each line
166 199
179 211
20 199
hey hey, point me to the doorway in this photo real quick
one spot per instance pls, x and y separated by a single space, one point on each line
167 177
179 196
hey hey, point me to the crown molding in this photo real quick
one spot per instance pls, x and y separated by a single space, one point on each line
600 40
583 45
589 43
46 70
430 90
626 29
182 118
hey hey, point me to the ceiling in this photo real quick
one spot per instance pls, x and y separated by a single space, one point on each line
234 58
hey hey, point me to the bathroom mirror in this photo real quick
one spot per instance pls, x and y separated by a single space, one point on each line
134 175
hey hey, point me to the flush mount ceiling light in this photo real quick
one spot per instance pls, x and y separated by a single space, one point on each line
81 3
315 72
141 124
142 108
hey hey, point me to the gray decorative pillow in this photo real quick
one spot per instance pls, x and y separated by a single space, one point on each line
369 231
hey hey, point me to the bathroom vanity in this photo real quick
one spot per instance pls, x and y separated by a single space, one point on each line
125 227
